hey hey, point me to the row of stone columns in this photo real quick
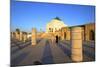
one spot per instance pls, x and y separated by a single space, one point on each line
76 43
21 36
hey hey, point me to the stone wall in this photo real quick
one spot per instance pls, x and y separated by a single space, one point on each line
65 33
90 32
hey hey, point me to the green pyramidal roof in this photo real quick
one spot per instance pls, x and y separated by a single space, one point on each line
57 18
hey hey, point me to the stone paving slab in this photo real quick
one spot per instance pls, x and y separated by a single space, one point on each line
15 51
47 52
88 52
20 53
58 55
66 49
86 58
47 57
35 54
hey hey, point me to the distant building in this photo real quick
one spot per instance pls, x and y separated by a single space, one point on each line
55 25
57 28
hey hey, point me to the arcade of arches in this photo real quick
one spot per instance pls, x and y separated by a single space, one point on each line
88 32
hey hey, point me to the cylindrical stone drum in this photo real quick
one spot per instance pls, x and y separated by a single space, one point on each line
76 44
25 37
17 35
33 41
20 36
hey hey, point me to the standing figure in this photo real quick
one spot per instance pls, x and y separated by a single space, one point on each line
56 39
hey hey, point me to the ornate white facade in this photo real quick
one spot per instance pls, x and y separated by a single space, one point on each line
55 25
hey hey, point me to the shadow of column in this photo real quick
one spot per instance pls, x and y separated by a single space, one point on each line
47 55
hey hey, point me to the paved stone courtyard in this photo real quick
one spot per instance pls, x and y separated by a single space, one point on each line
46 51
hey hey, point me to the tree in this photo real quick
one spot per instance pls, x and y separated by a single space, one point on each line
18 30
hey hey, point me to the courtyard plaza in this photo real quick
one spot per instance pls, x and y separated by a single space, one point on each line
47 51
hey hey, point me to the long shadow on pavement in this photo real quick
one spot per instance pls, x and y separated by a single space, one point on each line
20 46
64 49
18 59
47 55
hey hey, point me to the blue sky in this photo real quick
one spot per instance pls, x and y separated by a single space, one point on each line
27 15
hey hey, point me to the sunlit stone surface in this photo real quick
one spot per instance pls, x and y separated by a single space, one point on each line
55 25
24 37
21 36
76 44
17 35
33 36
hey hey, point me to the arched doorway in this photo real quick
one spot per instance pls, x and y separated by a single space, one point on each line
92 35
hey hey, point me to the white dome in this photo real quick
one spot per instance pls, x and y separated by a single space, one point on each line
55 24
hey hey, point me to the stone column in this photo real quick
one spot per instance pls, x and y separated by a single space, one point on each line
12 35
24 37
17 35
21 36
33 40
76 44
